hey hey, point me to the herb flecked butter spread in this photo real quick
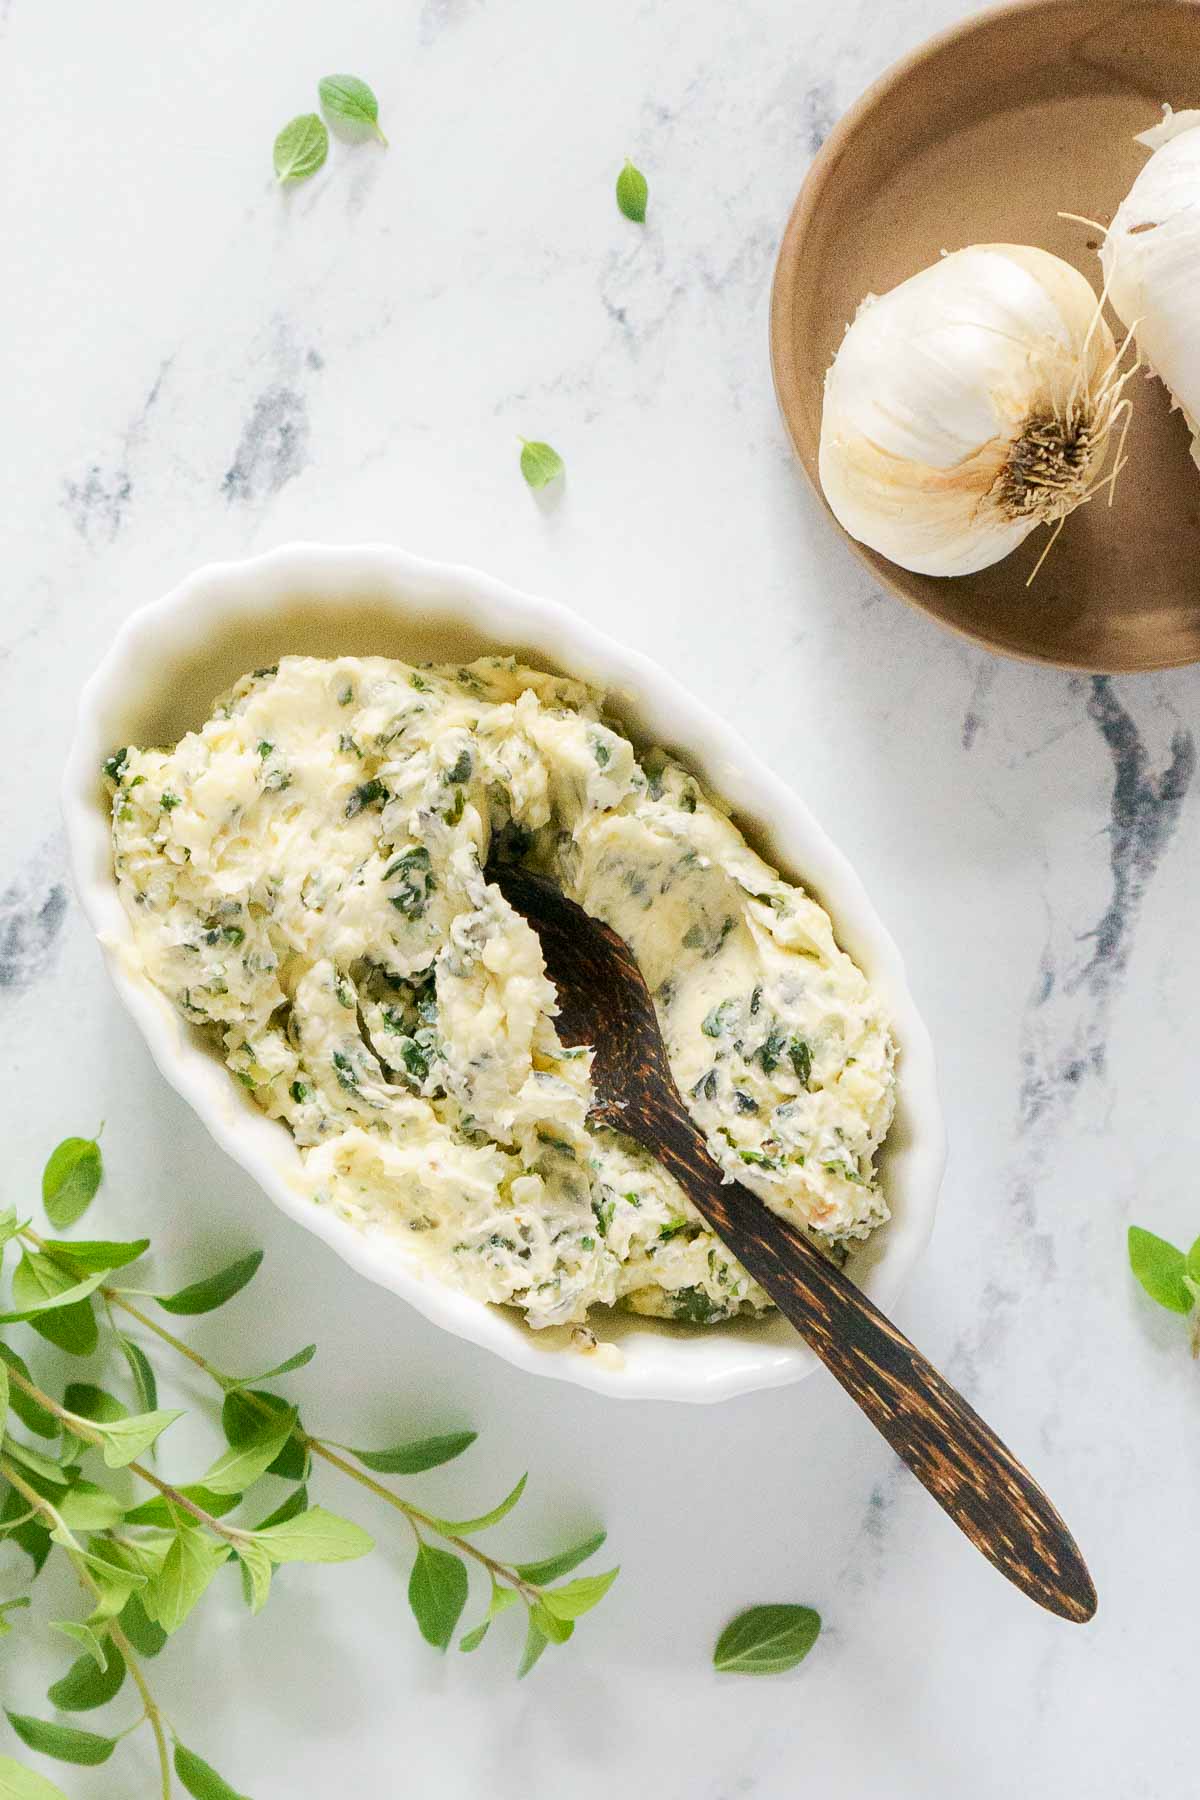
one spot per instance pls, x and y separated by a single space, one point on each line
304 880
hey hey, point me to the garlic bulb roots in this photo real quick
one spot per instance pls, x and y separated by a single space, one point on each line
1151 261
967 406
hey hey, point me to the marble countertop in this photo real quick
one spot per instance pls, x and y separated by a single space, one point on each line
198 366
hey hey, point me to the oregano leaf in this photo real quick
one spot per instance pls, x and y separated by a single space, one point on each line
19 1783
190 1564
256 1574
243 1463
200 1778
301 147
540 463
66 1742
205 1296
298 1361
550 1625
296 1502
552 1567
1160 1268
575 1598
437 1593
158 1511
144 1634
535 1644
461 1527
91 1402
84 1686
346 97
632 193
86 1507
32 1414
767 1640
314 1536
415 1458
91 1254
123 1440
97 1648
142 1372
243 1414
70 1179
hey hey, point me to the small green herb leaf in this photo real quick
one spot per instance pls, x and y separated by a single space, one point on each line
87 1507
93 1403
84 1686
437 1593
30 1536
243 1414
190 1564
144 1634
552 1567
299 1361
296 1502
346 97
315 1536
30 1412
471 1640
40 1286
301 148
577 1597
89 1254
66 1742
200 1779
124 1439
158 1512
19 1783
143 1374
632 193
766 1640
243 1463
204 1296
256 1574
535 1642
540 464
70 1180
413 1459
97 1649
460 1527
1160 1268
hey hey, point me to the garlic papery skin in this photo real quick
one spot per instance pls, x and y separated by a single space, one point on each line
967 406
1151 261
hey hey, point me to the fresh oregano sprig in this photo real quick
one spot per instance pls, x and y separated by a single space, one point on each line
1169 1275
145 1563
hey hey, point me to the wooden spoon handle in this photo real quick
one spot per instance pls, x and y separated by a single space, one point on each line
948 1447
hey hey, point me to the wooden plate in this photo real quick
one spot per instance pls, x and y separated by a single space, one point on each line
981 137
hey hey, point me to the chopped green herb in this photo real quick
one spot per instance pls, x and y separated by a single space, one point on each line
370 793
169 802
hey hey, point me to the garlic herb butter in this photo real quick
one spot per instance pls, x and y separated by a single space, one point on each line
304 878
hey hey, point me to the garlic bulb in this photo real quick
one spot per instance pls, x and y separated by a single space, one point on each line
967 406
1151 260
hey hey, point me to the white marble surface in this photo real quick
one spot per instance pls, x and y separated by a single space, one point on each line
196 366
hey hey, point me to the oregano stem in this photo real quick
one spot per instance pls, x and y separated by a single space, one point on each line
81 1429
318 1448
121 1642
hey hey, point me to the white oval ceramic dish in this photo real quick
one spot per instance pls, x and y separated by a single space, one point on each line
171 660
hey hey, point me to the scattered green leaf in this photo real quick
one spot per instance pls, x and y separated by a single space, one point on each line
460 1527
143 1374
540 464
632 193
301 148
346 97
190 1564
1160 1268
90 1402
766 1640
31 1413
70 1180
242 1464
123 1440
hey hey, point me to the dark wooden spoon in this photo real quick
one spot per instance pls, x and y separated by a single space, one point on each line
604 1003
